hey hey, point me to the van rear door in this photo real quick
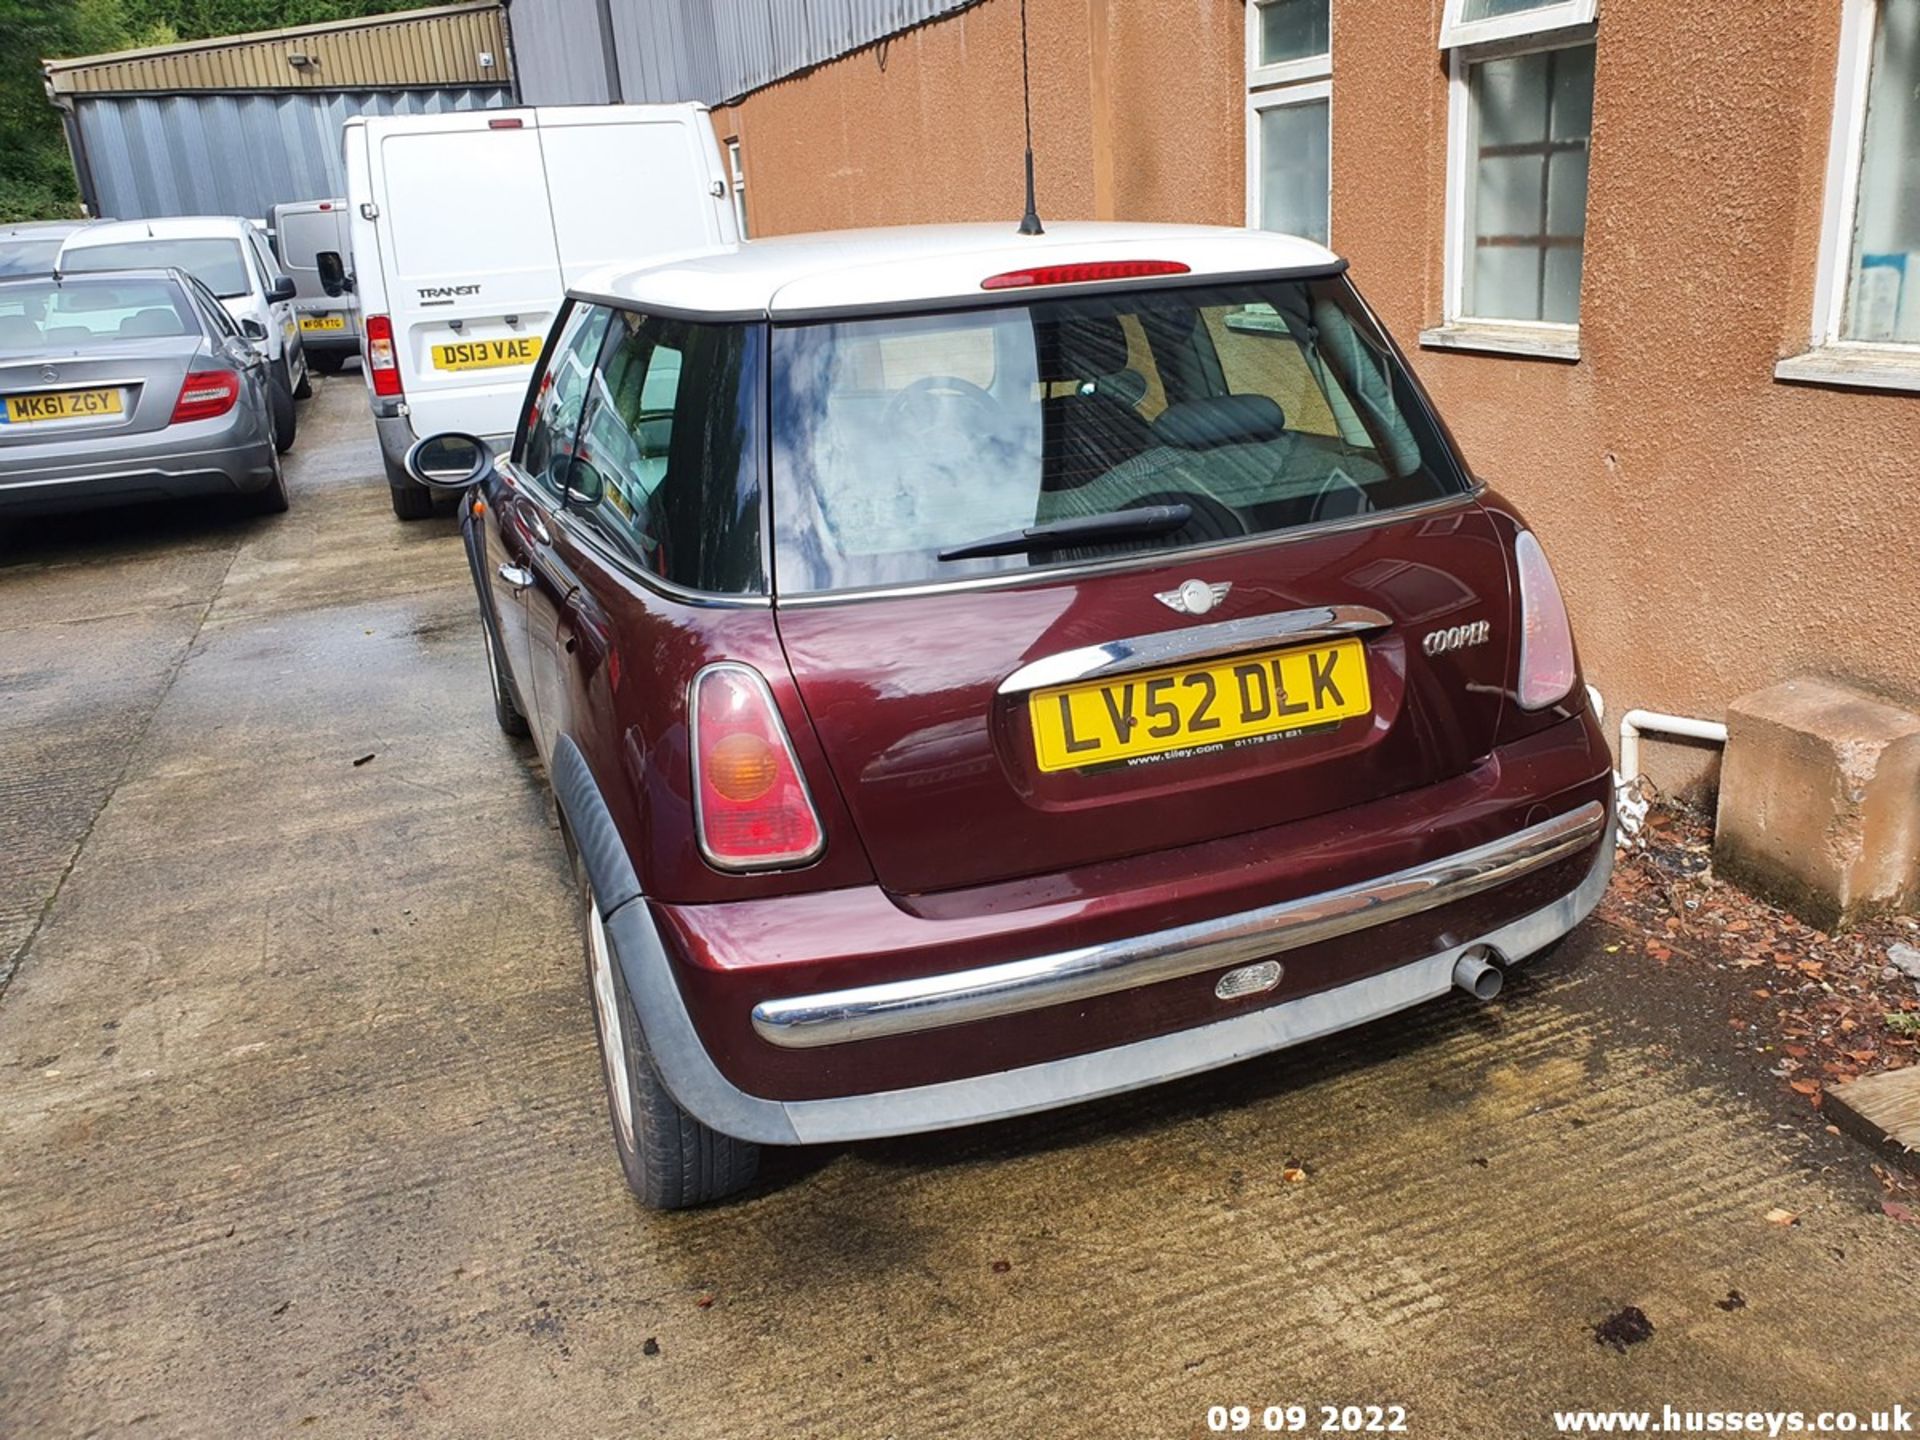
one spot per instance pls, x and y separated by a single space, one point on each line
629 183
473 275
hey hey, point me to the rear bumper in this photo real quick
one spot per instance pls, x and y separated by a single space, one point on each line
331 342
173 469
932 1002
689 1072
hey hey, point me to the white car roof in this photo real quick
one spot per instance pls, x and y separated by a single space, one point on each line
791 276
173 227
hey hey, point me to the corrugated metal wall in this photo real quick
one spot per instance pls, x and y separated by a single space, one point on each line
443 48
711 50
234 154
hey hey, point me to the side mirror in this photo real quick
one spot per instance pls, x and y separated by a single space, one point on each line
450 461
333 273
283 289
254 331
580 483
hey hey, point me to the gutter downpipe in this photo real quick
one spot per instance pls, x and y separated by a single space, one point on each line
1636 723
76 147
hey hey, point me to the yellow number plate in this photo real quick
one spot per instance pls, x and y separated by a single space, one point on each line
310 323
62 405
1217 705
485 354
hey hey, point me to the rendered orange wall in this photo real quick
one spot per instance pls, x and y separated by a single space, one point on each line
1715 530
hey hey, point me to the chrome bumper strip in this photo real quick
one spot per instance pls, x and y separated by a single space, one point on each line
1203 642
934 1001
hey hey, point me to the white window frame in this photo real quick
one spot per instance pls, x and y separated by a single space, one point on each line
1561 15
1271 87
1831 358
1259 102
1549 339
1310 67
737 182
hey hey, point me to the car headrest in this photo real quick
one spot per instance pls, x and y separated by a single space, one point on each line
17 332
68 334
1220 420
155 321
1080 347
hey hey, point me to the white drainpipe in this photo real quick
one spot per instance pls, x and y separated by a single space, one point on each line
1636 723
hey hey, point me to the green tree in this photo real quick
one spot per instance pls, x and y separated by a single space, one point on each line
36 174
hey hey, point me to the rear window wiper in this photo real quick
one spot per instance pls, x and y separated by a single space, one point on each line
1144 521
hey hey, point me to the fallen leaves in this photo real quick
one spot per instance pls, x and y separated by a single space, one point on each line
1834 1007
1896 1211
1777 1216
1294 1175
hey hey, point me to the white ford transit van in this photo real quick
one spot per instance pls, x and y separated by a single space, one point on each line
468 227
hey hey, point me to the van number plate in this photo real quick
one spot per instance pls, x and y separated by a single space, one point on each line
485 354
1199 708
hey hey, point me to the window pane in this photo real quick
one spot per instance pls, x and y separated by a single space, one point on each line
1532 116
1293 169
1292 30
1281 405
554 415
670 446
1493 9
1884 297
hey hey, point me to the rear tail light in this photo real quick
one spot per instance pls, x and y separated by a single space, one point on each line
205 394
1546 639
382 363
1083 273
751 806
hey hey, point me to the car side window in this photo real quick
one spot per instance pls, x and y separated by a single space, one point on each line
553 414
667 473
216 313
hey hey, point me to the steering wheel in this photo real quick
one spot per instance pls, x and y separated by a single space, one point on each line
941 402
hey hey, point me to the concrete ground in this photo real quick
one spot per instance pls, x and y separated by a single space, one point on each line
302 1123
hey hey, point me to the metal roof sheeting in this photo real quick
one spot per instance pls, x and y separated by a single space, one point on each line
234 154
408 50
708 50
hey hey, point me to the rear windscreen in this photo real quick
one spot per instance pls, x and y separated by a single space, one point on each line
60 315
217 264
1223 412
28 257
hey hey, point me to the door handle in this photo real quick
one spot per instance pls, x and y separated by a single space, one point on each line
518 576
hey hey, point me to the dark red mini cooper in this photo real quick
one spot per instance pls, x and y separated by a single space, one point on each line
981 673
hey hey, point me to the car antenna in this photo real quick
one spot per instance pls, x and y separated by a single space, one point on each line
1029 222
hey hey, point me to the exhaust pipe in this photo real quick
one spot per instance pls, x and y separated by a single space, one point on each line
1473 974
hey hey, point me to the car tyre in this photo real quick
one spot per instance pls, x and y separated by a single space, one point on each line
285 424
411 502
328 364
671 1160
506 709
271 498
304 390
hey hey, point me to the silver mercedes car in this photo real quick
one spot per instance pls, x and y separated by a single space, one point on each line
130 385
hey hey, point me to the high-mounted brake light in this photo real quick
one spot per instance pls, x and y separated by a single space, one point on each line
751 807
504 124
382 364
205 394
1546 637
1083 273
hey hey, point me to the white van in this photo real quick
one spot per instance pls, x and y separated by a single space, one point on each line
468 227
310 236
